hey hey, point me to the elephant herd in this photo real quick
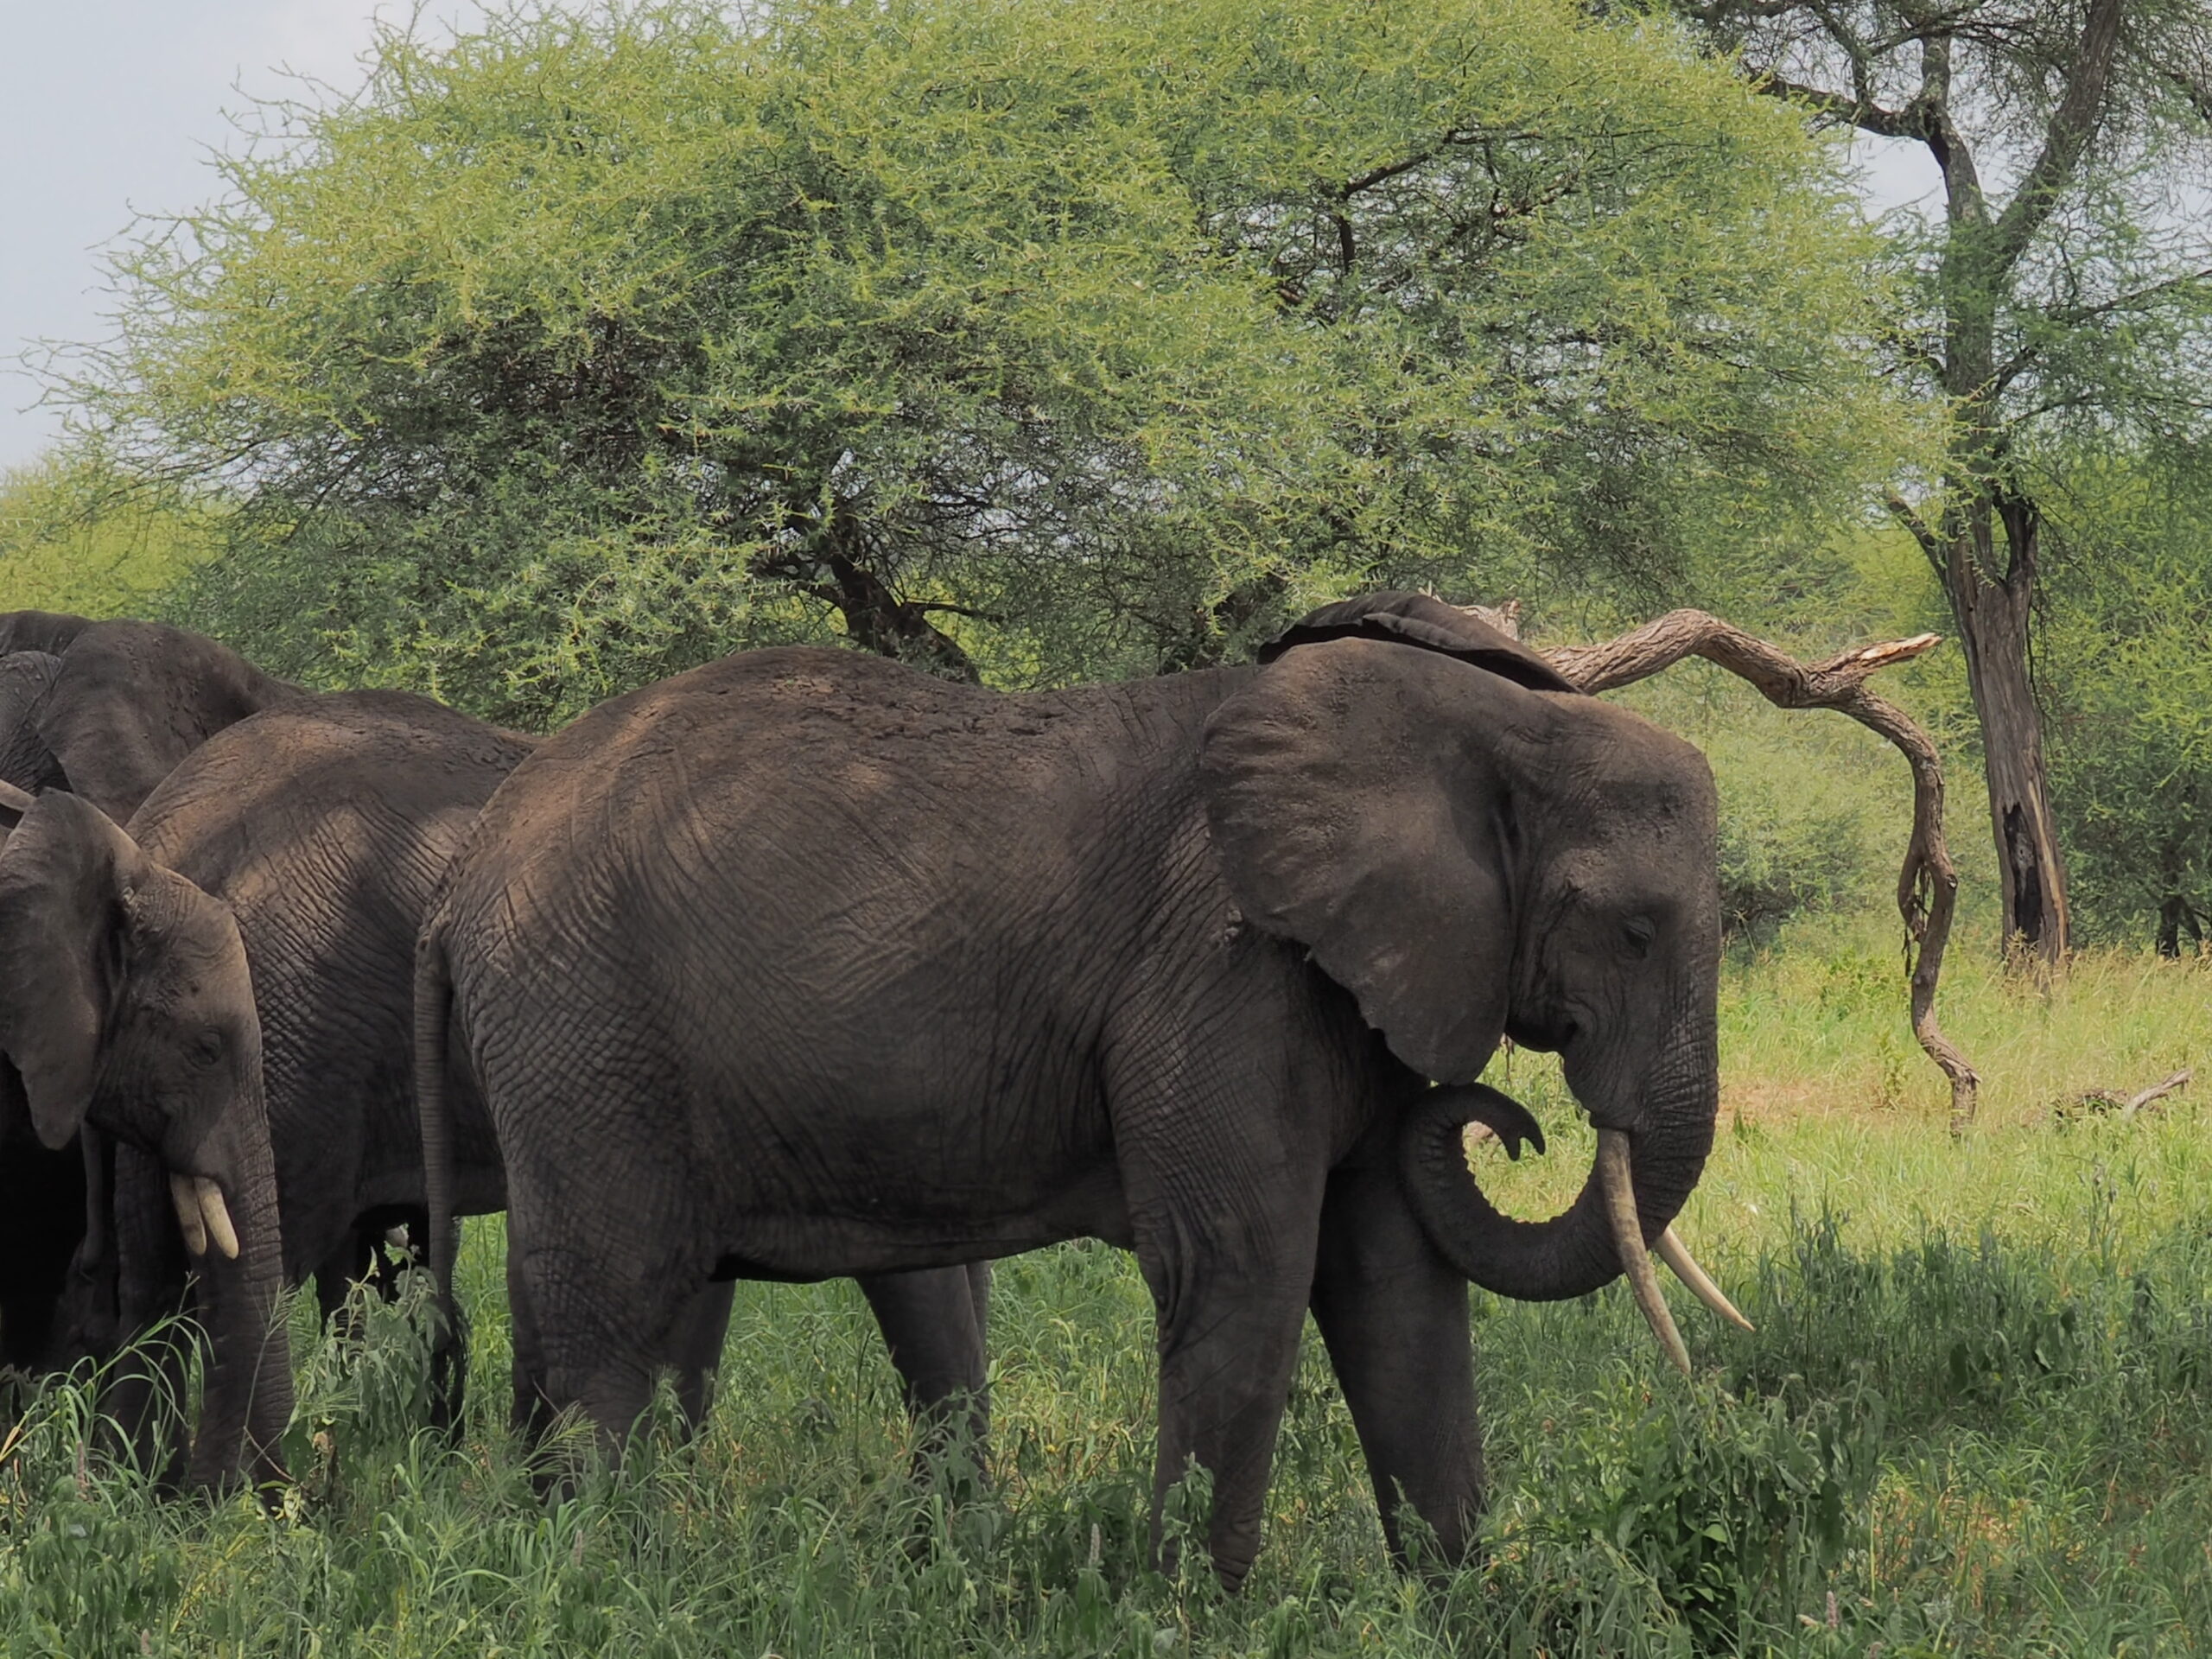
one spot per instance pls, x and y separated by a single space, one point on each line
805 963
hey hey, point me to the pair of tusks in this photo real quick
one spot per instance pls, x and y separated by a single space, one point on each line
1617 1187
202 1215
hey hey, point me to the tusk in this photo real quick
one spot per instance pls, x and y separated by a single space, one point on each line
186 1198
1619 1191
218 1217
1676 1254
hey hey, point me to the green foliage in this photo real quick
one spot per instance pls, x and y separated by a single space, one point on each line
70 542
1018 336
2126 668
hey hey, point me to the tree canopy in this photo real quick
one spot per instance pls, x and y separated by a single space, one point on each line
1018 338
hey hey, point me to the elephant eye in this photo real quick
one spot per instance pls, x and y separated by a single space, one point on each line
1639 931
206 1048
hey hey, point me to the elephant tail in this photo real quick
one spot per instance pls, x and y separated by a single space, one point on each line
433 1027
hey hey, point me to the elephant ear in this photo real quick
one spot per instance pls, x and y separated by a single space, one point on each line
1356 798
69 883
133 698
40 631
25 761
1421 620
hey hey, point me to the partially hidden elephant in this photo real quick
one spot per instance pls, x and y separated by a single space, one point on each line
806 963
325 825
126 1009
102 710
121 704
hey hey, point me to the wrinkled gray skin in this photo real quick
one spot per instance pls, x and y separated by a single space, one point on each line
806 963
326 826
109 710
127 703
104 709
42 1206
125 1009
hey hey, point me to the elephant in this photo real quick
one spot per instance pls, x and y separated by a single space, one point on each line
102 709
126 1009
41 1202
806 963
325 825
127 703
47 632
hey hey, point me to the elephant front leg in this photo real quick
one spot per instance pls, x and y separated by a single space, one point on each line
934 1323
1394 1315
694 1351
1231 1305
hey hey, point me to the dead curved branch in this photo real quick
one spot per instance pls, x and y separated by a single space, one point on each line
1928 885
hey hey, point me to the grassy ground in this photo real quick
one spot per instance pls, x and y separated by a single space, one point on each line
1974 1420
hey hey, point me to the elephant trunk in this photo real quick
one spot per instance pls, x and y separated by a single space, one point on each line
247 1394
1643 1175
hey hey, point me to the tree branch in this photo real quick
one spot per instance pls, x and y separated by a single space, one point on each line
1922 532
2196 90
2071 125
1928 883
1853 112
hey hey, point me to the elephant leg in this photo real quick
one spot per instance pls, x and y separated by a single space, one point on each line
347 1265
1394 1315
1228 1342
533 1411
694 1351
979 1297
934 1322
449 1339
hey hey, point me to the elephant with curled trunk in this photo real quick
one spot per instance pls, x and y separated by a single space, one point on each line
325 827
806 963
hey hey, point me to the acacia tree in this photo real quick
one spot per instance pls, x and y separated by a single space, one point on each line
2062 296
1019 338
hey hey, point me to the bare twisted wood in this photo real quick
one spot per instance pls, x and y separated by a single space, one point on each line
1928 885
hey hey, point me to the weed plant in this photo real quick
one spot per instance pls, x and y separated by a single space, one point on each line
1974 1420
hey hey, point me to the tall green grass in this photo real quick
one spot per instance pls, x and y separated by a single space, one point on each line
1974 1419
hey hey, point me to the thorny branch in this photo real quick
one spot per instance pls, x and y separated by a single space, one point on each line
1928 885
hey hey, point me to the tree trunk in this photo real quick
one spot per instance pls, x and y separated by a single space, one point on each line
1992 614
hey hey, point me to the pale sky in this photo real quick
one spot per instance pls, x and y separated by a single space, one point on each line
109 108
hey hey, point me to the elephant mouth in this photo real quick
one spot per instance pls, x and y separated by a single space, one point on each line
1599 1237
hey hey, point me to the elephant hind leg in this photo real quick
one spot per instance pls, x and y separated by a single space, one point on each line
1394 1314
587 1337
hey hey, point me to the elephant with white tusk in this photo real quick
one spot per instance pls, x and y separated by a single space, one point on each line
807 963
127 1019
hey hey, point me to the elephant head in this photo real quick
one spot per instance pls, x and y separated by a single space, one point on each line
48 632
1475 850
127 703
126 1005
